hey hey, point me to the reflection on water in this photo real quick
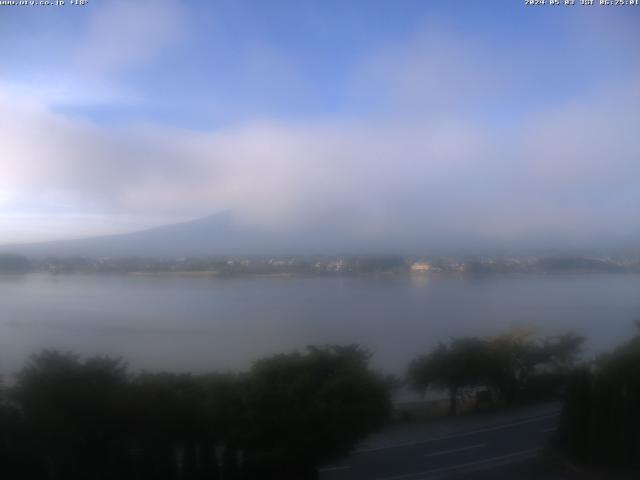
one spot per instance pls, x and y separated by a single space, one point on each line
223 324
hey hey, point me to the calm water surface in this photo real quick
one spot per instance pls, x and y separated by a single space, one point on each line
225 323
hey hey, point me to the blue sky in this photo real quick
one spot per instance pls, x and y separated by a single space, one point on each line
512 122
209 63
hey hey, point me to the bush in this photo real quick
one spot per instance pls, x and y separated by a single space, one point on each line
600 424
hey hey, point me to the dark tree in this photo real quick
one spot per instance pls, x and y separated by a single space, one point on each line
308 409
506 362
600 424
70 409
68 418
461 363
516 358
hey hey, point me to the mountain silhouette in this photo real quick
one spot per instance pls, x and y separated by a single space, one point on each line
216 234
219 234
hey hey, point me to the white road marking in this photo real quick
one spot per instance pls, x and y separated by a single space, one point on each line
469 466
458 435
454 450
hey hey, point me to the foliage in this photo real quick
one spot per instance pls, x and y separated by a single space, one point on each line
69 409
600 423
506 362
516 357
306 409
461 363
67 418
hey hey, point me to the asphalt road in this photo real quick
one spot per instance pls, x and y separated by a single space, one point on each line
500 447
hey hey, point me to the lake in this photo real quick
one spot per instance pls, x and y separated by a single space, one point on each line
200 324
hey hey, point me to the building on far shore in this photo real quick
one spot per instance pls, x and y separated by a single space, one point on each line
421 267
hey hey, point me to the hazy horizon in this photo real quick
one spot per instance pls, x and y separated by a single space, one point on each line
220 235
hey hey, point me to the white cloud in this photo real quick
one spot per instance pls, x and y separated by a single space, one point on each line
86 59
426 179
431 170
123 34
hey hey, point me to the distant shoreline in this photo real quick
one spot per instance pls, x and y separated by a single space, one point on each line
206 273
209 273
230 275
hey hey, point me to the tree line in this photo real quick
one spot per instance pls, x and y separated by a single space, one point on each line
516 365
67 418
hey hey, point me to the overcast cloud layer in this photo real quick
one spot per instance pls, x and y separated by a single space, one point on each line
428 134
